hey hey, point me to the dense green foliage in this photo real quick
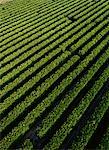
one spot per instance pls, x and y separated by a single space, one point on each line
54 74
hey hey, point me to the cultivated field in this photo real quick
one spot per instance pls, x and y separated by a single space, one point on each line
54 74
4 1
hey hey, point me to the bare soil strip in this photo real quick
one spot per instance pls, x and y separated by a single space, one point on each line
4 1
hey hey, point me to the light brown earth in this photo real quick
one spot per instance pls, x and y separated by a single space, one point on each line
4 1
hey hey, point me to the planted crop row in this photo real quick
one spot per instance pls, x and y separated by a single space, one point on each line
42 17
57 112
104 42
54 74
9 85
36 33
92 13
92 122
21 8
84 5
34 95
37 77
27 63
8 35
94 41
39 21
65 36
5 14
43 87
21 13
91 10
10 49
88 59
33 48
89 35
58 11
77 113
87 10
22 33
29 71
90 20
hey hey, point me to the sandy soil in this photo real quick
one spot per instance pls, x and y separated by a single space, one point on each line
4 1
